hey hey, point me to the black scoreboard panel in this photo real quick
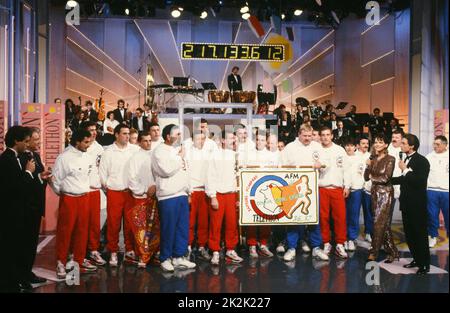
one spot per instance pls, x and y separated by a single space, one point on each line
243 52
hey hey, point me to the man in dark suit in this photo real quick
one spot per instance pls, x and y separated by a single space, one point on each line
139 122
91 114
35 205
413 202
15 189
120 114
376 123
340 132
234 80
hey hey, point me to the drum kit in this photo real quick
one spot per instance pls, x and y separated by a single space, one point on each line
223 96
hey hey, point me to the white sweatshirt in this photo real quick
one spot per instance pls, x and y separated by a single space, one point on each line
156 143
170 178
438 177
95 151
336 174
197 166
71 172
221 175
262 158
113 166
395 152
357 165
139 172
209 145
244 152
367 184
297 154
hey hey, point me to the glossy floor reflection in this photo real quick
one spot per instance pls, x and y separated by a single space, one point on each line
257 276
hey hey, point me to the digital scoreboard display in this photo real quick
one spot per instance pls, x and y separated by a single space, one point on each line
240 52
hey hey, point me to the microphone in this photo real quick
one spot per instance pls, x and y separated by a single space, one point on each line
401 155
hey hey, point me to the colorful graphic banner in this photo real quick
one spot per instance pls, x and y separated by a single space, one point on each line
3 124
278 196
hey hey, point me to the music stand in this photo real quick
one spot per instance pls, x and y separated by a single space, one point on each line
388 116
181 81
341 105
209 86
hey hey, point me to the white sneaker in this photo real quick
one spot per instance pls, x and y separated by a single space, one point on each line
340 251
327 248
305 247
252 252
167 266
368 238
182 263
289 255
232 256
141 264
319 254
351 245
215 258
60 270
265 252
96 258
203 254
113 260
432 241
346 245
280 248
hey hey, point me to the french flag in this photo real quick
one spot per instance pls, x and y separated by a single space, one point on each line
256 26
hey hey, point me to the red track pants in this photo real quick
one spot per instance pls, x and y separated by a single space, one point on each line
118 205
227 211
333 198
200 206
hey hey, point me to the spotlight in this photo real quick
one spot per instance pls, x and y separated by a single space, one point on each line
127 11
244 9
319 2
298 12
71 4
283 16
203 15
180 9
245 16
175 12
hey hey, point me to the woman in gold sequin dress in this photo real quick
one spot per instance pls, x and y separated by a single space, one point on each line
379 171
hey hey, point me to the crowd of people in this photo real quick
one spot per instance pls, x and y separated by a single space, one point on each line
179 198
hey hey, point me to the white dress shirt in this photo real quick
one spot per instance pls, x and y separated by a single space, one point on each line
108 123
395 152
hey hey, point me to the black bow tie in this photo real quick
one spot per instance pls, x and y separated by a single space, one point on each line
408 157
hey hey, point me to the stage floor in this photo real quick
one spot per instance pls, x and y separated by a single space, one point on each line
258 275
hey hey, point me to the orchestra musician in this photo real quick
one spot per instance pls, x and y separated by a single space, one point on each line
234 80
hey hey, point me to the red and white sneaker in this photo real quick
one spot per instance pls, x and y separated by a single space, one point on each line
87 267
130 258
96 258
60 270
265 252
233 257
340 251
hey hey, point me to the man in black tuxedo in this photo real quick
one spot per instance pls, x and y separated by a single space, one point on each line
120 114
139 122
15 190
376 123
340 132
234 80
413 202
35 205
91 114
